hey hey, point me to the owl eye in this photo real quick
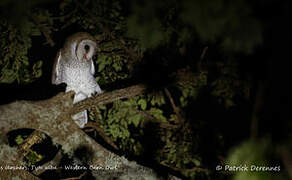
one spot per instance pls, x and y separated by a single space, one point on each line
86 47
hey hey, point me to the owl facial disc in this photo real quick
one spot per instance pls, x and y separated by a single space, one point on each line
85 50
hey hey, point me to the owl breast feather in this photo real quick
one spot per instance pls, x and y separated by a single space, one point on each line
80 80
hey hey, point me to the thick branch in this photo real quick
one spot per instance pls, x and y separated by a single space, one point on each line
53 117
109 97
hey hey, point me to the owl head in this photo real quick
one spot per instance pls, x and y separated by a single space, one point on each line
77 51
80 46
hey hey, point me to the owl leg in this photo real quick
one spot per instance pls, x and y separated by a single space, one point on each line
80 118
79 97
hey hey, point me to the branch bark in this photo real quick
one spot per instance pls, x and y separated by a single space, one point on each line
108 97
53 117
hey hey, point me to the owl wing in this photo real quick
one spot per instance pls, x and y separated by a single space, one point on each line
92 69
57 70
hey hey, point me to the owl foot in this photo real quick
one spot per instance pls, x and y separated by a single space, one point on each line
80 118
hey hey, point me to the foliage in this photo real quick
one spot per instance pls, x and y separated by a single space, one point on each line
112 66
15 43
124 122
19 139
32 157
228 86
122 117
16 39
190 89
117 121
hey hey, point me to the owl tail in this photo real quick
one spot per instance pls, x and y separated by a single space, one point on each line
80 118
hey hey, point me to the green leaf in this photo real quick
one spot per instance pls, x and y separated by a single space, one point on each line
196 162
157 113
136 119
8 76
19 139
34 157
143 104
101 66
37 69
117 67
102 60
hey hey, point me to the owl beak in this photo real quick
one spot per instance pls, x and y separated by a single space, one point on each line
85 57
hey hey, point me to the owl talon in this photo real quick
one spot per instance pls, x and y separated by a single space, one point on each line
80 118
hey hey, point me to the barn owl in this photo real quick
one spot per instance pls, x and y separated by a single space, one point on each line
74 66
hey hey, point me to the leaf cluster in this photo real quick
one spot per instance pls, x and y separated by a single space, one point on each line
15 43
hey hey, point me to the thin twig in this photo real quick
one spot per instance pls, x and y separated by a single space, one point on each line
151 118
199 65
203 53
102 134
175 109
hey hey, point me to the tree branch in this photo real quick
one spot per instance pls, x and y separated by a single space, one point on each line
53 117
102 134
109 97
